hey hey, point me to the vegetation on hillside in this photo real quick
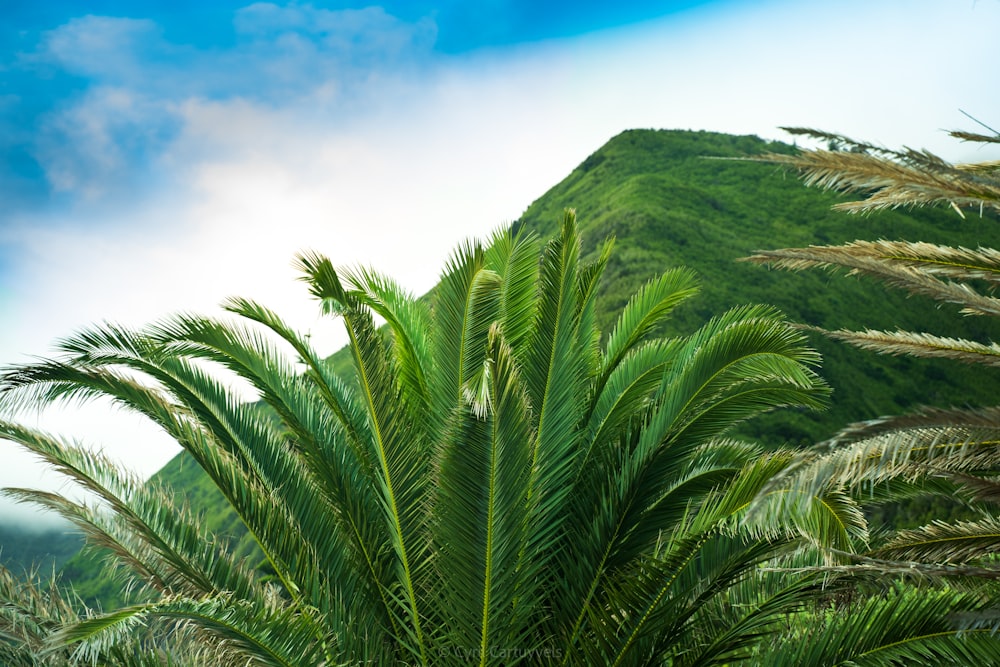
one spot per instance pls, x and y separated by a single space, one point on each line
672 198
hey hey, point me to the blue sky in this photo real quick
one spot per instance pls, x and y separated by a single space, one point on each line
159 156
57 56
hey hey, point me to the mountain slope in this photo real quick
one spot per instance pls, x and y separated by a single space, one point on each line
669 203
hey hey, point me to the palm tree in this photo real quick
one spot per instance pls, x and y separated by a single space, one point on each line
494 484
947 451
497 483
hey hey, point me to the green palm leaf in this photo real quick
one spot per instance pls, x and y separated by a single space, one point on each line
554 371
939 542
481 513
905 627
645 311
514 257
259 634
409 321
397 445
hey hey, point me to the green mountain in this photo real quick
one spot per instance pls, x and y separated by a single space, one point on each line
670 201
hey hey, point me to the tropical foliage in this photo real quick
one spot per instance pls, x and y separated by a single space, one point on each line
669 202
952 452
32 612
28 615
495 485
496 481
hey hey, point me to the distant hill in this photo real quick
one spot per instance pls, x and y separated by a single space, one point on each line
23 548
669 202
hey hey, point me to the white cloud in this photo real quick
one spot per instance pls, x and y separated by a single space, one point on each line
99 142
354 34
89 148
102 47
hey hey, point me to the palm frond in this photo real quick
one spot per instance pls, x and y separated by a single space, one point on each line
332 389
928 258
409 321
940 542
920 345
398 445
889 178
554 370
652 611
747 358
981 489
261 635
335 459
646 310
29 613
481 514
514 257
908 626
918 279
983 420
163 543
740 364
466 301
627 393
909 455
220 442
737 627
826 517
975 136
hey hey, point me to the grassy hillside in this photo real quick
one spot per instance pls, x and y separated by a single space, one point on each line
669 203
